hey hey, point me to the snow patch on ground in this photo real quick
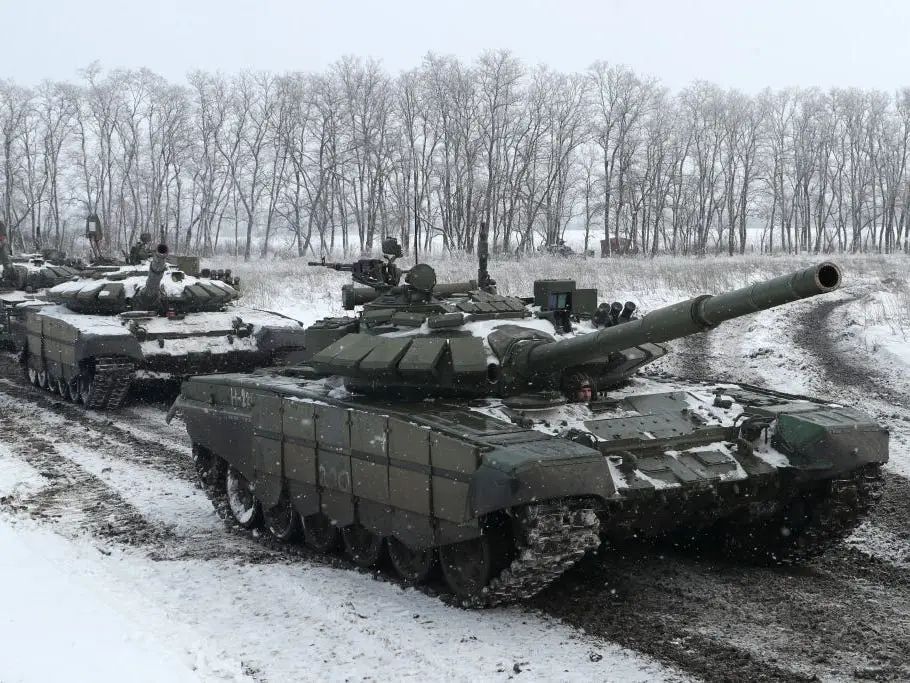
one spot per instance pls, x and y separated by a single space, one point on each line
67 618
881 544
159 497
119 616
17 478
875 329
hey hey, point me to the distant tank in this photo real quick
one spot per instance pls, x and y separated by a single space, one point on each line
31 272
23 278
89 338
501 438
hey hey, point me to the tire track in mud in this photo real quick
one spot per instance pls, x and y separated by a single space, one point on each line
100 431
698 358
75 501
70 489
845 616
812 336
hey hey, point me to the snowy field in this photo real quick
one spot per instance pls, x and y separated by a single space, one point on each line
180 597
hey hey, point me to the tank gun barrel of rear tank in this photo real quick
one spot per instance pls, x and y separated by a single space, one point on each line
353 295
147 298
682 319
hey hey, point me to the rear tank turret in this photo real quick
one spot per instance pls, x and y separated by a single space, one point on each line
502 438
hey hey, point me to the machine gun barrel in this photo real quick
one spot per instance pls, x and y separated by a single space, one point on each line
344 267
147 297
682 319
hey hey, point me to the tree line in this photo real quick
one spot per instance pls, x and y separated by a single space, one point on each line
334 160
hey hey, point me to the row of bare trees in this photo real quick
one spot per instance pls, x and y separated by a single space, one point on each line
260 161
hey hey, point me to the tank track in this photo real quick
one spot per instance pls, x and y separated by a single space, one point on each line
110 384
835 512
554 536
550 538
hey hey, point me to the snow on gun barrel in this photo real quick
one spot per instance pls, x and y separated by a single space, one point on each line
685 318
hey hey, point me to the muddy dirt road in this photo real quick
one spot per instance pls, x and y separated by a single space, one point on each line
845 617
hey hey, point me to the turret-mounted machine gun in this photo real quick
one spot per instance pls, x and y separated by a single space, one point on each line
378 274
380 279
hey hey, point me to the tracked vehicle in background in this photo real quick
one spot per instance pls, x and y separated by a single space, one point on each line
22 279
501 439
89 338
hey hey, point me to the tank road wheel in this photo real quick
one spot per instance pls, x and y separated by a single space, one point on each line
414 566
86 382
42 379
469 566
320 534
282 520
74 389
63 388
362 546
210 468
241 501
32 375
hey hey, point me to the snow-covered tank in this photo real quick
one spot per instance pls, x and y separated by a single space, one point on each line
91 336
22 279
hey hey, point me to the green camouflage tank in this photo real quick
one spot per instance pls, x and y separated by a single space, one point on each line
502 438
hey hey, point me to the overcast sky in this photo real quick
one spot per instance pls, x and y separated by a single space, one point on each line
748 44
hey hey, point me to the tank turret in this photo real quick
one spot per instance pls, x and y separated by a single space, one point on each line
31 272
156 287
422 339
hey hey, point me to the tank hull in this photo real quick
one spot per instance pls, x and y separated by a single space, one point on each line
661 459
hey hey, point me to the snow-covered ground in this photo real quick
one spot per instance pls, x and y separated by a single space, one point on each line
876 326
193 601
75 612
198 604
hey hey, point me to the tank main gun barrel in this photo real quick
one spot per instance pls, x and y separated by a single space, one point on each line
680 320
148 296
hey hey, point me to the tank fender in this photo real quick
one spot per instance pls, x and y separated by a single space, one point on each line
538 470
831 438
